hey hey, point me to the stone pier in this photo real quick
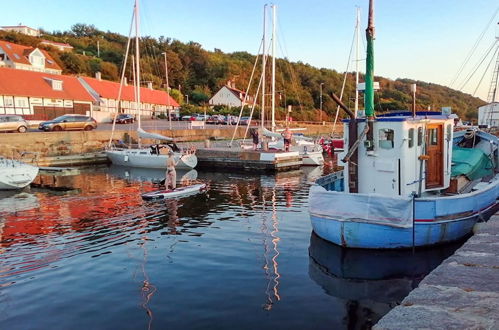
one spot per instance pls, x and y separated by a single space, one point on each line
461 293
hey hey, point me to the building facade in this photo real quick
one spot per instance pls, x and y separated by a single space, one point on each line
230 96
42 96
153 102
22 29
27 58
489 114
63 47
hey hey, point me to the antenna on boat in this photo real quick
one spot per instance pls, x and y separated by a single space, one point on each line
369 80
357 37
413 90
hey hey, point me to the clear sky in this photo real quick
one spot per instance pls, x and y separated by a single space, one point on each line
421 39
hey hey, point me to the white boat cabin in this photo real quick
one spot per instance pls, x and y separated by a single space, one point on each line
403 145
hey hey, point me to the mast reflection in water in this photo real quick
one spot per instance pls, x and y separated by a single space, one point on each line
370 282
99 257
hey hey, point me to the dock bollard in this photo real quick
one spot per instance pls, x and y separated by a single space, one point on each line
207 143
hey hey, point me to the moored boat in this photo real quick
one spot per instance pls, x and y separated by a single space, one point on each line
407 179
15 174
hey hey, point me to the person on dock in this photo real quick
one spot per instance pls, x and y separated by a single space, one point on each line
255 137
286 135
171 174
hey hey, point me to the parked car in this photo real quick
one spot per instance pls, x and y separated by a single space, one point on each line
188 117
244 120
201 117
13 123
125 118
69 122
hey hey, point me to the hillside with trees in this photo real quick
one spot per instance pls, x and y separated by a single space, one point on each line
198 74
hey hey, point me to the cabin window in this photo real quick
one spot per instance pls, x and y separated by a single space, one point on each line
386 137
420 136
433 136
411 137
449 132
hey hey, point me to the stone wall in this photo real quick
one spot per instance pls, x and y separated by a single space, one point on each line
50 144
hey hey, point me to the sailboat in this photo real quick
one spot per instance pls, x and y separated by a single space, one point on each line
408 179
149 157
15 174
310 152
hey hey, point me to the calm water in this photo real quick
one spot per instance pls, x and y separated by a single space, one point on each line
240 256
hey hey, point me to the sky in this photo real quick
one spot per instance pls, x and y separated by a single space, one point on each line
424 40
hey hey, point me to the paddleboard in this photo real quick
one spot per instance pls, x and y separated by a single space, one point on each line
168 193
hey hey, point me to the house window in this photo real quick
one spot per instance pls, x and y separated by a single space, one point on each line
386 137
57 85
411 138
8 101
420 136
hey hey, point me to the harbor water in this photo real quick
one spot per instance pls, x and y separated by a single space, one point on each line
239 256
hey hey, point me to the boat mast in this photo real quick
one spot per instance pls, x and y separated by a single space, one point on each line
357 37
167 94
264 60
137 65
273 65
369 90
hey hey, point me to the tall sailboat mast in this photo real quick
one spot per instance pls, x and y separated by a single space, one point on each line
273 64
137 65
369 90
357 37
264 60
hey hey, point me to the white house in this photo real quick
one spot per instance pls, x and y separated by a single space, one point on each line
63 47
489 114
230 96
27 58
22 29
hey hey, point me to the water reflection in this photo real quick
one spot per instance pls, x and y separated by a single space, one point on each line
151 175
369 282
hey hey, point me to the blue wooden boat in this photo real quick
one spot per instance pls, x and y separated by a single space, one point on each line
408 178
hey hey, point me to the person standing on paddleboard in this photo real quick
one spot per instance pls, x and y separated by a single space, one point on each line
171 174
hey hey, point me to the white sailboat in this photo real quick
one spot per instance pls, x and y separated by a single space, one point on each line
15 174
310 152
149 157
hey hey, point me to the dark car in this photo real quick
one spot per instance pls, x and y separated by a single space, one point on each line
125 118
69 122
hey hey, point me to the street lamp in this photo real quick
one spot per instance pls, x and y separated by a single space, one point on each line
321 102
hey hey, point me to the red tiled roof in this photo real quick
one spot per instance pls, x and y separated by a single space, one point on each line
23 52
37 84
60 44
109 90
238 93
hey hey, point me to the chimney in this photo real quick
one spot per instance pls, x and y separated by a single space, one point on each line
149 84
98 76
229 83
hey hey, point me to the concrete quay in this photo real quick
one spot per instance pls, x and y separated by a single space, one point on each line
248 160
461 293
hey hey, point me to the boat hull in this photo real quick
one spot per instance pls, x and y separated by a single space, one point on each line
16 175
436 220
144 159
313 158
